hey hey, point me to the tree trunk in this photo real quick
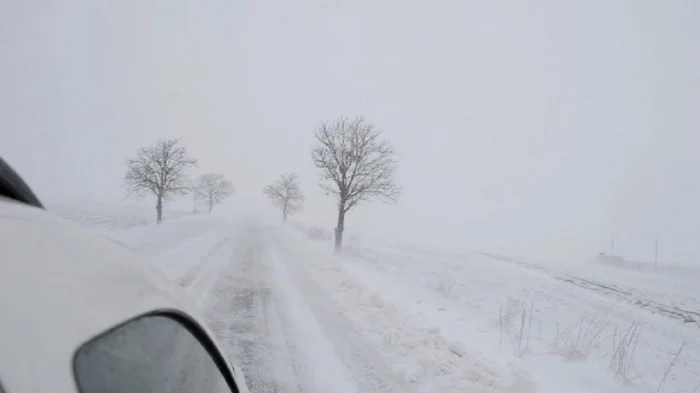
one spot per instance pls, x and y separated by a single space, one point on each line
211 204
339 229
284 217
159 209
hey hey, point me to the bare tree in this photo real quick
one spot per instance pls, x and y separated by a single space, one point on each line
213 189
357 165
160 170
286 194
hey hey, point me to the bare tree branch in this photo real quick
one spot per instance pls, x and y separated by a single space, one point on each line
286 194
356 165
160 170
213 188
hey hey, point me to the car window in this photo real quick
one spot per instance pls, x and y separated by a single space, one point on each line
151 354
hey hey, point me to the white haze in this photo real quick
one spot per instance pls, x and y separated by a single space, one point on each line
536 128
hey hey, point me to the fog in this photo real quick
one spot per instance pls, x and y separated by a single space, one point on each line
533 129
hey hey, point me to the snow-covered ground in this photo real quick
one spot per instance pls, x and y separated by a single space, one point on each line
105 215
572 326
388 318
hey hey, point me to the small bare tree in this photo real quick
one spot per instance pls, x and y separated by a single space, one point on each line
213 189
160 170
357 165
286 194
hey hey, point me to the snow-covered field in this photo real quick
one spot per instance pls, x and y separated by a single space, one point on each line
111 216
389 318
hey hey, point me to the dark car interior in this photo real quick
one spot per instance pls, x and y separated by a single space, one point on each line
13 187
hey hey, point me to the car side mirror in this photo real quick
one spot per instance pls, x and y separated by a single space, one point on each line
155 353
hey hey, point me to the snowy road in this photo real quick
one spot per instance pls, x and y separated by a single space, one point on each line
399 319
270 314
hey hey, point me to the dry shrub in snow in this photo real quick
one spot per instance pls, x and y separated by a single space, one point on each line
523 316
597 335
515 316
579 340
509 313
623 351
662 383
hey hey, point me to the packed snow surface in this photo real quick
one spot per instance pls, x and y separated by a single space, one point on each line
400 318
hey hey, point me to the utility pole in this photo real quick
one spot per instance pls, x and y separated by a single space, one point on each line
612 244
656 251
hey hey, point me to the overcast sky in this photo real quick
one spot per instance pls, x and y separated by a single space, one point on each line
535 127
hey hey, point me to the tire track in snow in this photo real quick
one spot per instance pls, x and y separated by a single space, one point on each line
289 374
240 312
364 365
277 324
